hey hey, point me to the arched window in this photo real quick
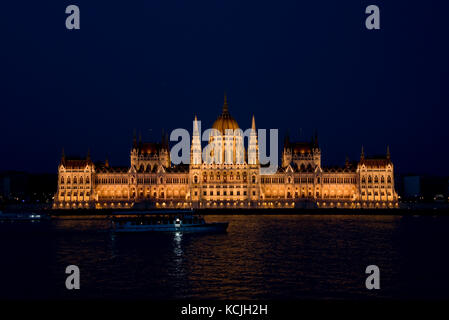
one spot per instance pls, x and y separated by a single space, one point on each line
363 180
87 180
81 180
376 180
195 179
62 180
382 179
370 179
74 180
389 179
160 180
253 179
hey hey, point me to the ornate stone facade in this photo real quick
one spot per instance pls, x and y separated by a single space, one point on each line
232 180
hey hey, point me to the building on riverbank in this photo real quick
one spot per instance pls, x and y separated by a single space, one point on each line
235 181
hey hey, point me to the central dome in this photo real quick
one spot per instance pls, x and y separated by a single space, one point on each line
225 120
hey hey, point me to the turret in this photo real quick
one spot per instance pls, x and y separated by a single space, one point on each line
253 149
195 157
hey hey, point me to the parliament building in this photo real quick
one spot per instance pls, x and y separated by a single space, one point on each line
233 180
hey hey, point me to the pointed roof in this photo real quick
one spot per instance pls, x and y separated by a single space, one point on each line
225 121
225 105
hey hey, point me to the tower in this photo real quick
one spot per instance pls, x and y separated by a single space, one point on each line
253 147
287 152
195 151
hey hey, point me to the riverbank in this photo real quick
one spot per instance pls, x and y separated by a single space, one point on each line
421 210
101 214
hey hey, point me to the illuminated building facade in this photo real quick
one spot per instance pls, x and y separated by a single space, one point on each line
232 180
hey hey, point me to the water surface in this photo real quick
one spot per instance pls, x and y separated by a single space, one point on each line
260 257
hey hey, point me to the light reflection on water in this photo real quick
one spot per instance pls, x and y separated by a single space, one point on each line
261 257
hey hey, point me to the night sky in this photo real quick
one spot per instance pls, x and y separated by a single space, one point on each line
154 64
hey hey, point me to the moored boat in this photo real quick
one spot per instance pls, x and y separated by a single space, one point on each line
22 216
166 223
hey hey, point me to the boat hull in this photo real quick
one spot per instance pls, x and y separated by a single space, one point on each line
22 217
199 228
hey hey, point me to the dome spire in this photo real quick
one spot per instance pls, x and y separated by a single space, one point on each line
225 105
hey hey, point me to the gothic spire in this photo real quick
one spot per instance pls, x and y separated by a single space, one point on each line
362 154
195 127
287 139
225 105
388 152
134 139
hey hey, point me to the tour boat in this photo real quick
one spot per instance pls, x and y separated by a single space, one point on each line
166 223
21 216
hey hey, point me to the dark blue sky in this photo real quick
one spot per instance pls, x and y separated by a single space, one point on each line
293 64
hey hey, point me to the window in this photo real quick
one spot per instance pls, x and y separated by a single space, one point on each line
62 180
253 179
195 179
